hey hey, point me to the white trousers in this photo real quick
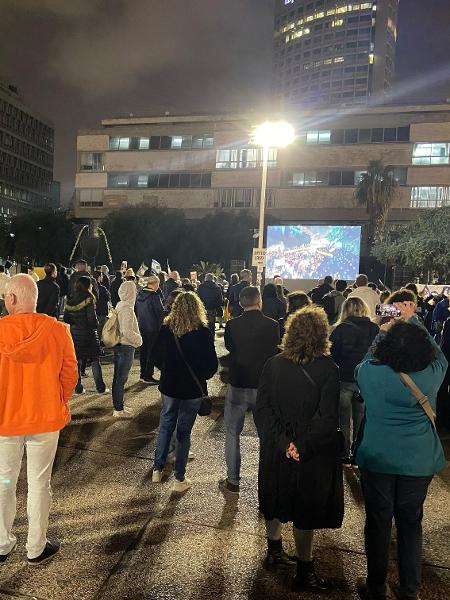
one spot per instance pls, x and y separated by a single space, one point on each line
41 450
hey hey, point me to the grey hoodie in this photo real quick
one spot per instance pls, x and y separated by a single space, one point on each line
128 325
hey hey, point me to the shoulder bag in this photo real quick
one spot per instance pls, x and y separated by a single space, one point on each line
422 399
206 402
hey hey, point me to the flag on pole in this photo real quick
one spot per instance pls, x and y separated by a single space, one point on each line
168 267
156 267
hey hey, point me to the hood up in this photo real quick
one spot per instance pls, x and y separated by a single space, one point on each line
127 292
23 338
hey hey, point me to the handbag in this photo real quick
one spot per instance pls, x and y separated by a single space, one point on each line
206 402
422 399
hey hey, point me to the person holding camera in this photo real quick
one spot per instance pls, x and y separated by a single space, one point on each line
350 340
399 450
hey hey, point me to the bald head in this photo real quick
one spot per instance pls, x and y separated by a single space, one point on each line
21 295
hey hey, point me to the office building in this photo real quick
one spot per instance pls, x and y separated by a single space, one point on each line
202 164
333 52
26 156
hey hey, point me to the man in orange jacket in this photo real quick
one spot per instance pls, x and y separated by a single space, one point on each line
38 373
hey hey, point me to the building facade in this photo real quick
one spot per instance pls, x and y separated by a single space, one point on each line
203 164
26 156
333 52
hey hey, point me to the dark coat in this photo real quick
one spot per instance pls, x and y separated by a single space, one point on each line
104 298
114 288
233 296
149 310
289 409
82 318
319 292
211 295
169 286
48 297
63 281
250 339
200 353
350 341
73 280
274 308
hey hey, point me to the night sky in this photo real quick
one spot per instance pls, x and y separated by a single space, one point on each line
78 61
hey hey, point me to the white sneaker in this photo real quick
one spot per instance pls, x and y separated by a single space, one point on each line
79 393
156 476
181 486
107 391
128 410
121 414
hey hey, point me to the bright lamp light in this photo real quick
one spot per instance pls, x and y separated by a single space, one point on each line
274 134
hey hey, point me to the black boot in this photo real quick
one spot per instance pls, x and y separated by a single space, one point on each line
307 580
276 556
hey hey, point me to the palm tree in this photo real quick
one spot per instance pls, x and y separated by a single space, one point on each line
376 190
204 267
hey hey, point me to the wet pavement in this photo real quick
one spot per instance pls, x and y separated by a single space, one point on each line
126 538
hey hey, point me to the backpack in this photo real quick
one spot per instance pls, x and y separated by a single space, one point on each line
111 331
329 303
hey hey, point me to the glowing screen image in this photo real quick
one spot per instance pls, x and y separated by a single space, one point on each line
312 252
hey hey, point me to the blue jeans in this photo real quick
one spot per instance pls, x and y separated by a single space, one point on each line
351 412
237 402
399 497
176 415
123 361
96 372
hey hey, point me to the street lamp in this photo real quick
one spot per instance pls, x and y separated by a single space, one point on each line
271 134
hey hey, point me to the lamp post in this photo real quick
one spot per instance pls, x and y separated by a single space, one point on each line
268 135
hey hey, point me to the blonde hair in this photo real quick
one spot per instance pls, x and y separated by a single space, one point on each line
353 307
187 314
306 337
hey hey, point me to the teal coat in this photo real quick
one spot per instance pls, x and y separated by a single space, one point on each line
398 437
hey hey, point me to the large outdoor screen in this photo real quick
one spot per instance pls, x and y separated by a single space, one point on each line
312 252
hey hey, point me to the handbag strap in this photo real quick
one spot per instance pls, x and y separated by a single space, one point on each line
191 371
422 399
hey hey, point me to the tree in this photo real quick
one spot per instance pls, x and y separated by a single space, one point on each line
376 190
204 267
422 246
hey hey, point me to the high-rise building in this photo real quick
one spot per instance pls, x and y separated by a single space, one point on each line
26 156
333 52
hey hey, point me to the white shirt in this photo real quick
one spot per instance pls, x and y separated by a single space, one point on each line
369 296
4 278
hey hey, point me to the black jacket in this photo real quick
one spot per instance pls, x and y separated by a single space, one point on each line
63 281
274 308
48 297
74 278
104 297
149 310
200 353
169 286
211 295
290 408
319 292
250 339
114 288
82 318
235 308
350 341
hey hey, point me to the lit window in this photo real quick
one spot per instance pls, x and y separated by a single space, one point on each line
371 59
337 23
124 143
177 140
339 59
431 153
144 143
142 180
430 196
91 161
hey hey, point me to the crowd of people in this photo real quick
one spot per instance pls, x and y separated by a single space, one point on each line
330 383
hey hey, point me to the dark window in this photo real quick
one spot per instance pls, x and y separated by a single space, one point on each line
351 136
155 142
166 142
403 134
153 180
174 180
348 178
184 180
196 180
337 135
364 136
352 20
377 135
352 32
335 178
134 143
164 180
390 134
206 180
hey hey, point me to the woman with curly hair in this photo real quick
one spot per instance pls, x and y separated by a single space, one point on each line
184 344
399 450
300 471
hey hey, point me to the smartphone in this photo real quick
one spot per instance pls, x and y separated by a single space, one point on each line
387 310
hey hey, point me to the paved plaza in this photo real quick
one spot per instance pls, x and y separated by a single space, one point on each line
126 538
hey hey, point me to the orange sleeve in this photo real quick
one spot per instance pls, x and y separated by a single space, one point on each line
68 375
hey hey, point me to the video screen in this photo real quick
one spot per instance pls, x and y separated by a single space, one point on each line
313 252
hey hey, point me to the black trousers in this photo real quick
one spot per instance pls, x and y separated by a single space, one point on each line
399 497
146 354
211 316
